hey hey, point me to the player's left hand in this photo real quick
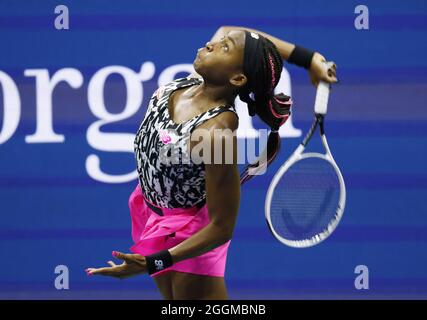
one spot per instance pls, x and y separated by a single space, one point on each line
318 71
133 264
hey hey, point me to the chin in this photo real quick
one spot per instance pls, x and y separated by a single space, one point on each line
196 66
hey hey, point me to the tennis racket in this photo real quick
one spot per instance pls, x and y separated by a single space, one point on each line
306 198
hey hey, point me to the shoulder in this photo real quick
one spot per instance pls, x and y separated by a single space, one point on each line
219 129
224 120
171 85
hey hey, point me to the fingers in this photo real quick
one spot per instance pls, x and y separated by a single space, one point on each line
107 271
115 270
92 271
332 73
331 79
122 256
319 73
101 271
89 271
129 258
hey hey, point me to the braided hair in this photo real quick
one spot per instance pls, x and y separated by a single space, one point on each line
263 67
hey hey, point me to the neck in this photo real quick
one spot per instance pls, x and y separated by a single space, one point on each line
220 94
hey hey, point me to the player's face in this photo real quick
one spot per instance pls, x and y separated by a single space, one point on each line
218 61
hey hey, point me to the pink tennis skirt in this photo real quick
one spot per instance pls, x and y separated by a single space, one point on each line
152 233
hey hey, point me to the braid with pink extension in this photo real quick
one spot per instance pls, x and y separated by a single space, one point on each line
273 84
273 73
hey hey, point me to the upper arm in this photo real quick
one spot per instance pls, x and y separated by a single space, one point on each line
223 195
222 178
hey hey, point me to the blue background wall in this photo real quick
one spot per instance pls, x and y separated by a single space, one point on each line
53 213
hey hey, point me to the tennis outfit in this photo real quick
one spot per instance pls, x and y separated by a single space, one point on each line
169 203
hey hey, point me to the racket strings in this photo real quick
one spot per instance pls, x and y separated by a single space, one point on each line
305 200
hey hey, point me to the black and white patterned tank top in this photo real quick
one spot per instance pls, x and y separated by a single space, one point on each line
175 184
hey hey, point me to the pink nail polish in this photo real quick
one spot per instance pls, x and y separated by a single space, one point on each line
114 253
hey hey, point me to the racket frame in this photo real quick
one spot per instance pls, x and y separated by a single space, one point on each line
298 155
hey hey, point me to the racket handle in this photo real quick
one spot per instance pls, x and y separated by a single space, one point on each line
322 95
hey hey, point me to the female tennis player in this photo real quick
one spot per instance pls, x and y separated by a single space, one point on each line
183 214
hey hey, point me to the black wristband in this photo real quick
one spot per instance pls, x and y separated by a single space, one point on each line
158 261
301 56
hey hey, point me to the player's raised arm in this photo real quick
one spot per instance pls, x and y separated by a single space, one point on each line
294 54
